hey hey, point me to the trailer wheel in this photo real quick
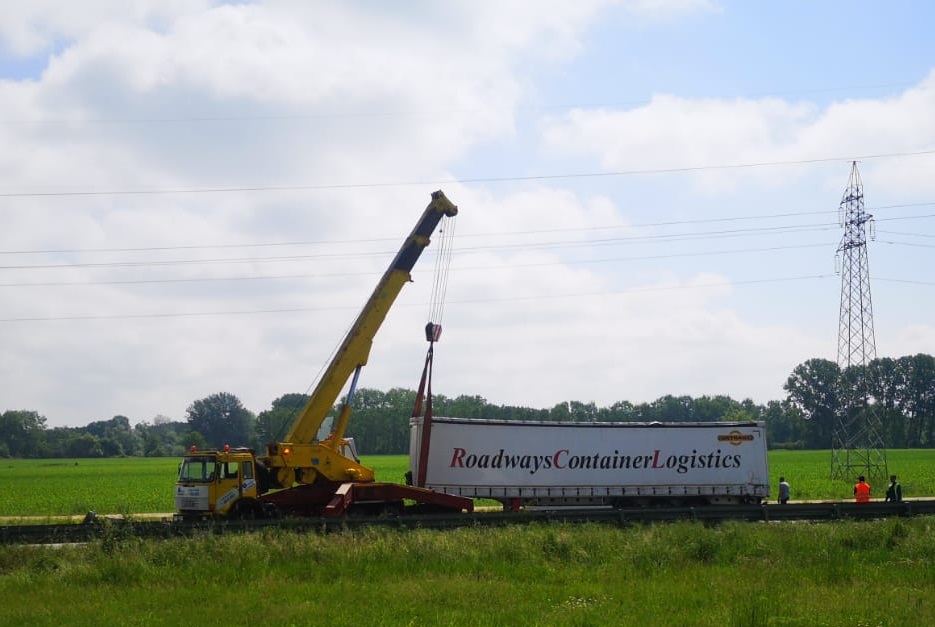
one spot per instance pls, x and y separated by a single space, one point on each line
389 509
392 510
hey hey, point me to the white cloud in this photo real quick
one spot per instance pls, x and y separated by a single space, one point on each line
672 132
29 27
293 94
606 347
346 97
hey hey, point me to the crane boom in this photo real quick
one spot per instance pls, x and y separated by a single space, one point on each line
299 457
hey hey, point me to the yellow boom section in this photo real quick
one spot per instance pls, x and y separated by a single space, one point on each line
352 354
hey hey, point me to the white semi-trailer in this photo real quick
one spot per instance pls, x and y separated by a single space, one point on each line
552 464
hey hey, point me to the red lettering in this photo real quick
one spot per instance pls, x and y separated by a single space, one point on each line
656 459
555 461
458 458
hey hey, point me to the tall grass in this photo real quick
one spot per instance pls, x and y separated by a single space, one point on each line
741 574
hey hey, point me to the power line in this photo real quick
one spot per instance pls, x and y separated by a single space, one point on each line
578 295
462 181
188 280
50 251
182 262
913 244
926 235
906 281
296 243
330 275
550 245
459 301
491 247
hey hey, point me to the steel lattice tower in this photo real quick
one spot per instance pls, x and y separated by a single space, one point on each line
856 444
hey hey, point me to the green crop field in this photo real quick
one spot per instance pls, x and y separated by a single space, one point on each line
809 473
136 485
49 487
129 485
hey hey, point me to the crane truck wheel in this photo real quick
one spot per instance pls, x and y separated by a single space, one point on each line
246 509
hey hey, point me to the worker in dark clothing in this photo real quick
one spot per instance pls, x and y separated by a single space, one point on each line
783 490
894 493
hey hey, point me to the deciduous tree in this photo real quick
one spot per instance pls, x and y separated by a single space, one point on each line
222 419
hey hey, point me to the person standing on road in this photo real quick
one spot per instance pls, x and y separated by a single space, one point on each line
783 490
894 493
862 490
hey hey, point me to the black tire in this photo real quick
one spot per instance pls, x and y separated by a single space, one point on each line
246 509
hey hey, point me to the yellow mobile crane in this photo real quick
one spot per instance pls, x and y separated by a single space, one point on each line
302 475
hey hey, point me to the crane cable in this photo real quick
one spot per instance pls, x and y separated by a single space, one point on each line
440 279
433 330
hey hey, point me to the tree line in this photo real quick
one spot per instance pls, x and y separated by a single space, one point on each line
900 393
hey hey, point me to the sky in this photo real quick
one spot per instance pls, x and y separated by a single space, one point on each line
198 197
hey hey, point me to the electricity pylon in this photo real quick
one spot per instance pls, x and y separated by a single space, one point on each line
856 443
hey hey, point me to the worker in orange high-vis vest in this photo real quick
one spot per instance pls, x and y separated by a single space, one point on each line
862 490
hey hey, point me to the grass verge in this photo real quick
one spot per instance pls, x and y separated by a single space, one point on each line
739 574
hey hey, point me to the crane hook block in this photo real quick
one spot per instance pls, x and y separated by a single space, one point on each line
433 332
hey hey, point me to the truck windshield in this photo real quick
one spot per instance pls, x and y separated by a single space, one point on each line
197 469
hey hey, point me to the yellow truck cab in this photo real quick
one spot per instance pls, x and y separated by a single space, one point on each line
228 483
216 482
